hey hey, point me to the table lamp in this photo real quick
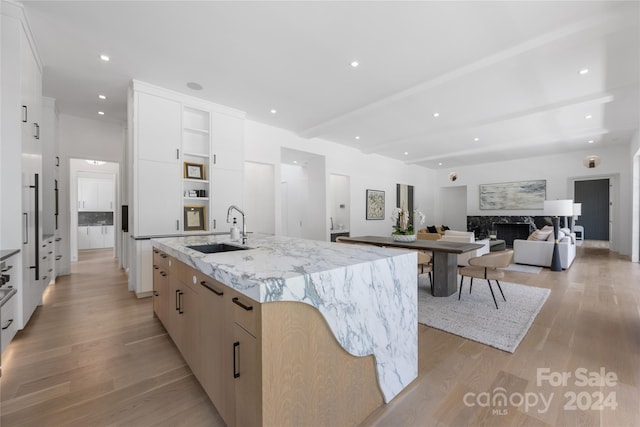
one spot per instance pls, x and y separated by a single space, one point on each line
556 209
577 211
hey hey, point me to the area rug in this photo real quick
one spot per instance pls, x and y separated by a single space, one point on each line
524 268
475 316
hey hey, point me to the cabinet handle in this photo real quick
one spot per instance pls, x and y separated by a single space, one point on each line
25 113
177 292
57 161
214 159
177 224
58 257
36 127
156 294
58 239
235 300
163 273
155 267
214 224
155 251
180 296
9 322
163 255
177 153
25 238
236 347
211 288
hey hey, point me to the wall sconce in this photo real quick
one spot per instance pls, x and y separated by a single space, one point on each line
591 162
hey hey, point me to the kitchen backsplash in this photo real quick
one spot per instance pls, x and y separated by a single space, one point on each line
94 218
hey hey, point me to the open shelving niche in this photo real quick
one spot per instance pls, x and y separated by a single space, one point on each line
196 148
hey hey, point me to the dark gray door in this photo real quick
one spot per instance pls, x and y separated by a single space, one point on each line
594 196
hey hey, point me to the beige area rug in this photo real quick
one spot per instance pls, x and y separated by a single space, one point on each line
521 268
475 316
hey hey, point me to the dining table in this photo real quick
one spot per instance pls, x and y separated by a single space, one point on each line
445 258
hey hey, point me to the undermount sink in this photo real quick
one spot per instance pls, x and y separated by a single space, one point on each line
212 248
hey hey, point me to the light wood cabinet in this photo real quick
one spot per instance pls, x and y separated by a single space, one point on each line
161 271
275 363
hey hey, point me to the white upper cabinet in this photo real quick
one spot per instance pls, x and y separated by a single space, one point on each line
95 194
157 129
179 145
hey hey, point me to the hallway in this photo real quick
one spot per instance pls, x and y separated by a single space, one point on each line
84 359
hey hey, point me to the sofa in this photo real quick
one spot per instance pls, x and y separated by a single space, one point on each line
540 252
425 234
466 237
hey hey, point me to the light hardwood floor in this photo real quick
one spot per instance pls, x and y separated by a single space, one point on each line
93 354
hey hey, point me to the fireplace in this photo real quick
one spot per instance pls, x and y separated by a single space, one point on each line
512 230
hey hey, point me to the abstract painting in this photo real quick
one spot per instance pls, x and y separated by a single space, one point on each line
513 195
375 204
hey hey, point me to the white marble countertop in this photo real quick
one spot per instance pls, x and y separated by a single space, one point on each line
367 294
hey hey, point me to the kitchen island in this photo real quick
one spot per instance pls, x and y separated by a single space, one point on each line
361 299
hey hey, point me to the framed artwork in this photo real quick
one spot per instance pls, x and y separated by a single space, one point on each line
375 204
194 218
513 195
193 170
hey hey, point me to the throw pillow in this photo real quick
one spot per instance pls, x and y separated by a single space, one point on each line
445 228
566 231
551 237
540 235
432 228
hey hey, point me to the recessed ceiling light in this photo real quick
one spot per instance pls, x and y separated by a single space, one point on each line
436 114
101 113
583 71
102 97
357 136
406 153
355 64
476 139
440 164
295 162
590 141
273 111
104 57
588 116
194 86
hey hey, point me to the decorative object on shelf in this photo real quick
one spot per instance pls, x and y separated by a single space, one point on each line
194 218
556 209
493 234
193 170
513 195
375 204
403 230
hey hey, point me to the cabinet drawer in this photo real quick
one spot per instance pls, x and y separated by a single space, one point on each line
245 312
161 259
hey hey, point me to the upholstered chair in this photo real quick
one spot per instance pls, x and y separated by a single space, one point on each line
425 265
487 267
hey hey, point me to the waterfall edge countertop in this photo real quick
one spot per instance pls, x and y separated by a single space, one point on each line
367 294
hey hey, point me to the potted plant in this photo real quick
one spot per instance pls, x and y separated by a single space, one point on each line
403 230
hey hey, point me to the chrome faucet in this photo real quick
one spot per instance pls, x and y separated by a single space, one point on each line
244 223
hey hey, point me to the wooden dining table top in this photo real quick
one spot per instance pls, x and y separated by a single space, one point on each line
422 245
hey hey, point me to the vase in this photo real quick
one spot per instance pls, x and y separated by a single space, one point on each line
404 237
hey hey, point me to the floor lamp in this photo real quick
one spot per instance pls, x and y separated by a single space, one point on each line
556 209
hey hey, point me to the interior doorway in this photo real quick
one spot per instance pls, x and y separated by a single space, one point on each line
453 202
303 189
596 208
93 206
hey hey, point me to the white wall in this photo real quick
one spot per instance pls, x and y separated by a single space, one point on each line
259 200
453 207
339 196
560 172
635 196
89 139
366 171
